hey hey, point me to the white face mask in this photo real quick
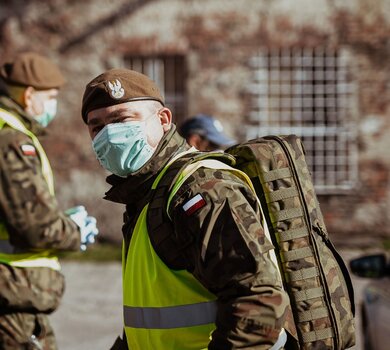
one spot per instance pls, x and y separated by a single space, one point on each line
49 112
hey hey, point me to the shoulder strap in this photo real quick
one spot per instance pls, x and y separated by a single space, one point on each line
159 224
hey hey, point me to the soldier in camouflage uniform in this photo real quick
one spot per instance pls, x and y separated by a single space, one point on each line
215 231
32 228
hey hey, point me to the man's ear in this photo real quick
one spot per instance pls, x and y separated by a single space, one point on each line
165 116
195 140
27 97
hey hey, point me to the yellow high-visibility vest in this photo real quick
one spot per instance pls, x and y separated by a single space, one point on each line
165 309
8 253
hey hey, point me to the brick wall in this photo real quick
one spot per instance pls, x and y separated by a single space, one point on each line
217 38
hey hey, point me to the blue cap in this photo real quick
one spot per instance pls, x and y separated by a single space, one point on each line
208 127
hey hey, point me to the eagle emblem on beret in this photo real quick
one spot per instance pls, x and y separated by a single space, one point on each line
115 88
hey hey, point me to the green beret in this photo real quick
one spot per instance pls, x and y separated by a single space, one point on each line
32 69
118 86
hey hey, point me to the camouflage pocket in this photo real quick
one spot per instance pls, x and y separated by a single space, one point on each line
33 289
15 330
26 331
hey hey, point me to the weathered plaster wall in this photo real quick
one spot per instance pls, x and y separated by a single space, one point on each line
218 38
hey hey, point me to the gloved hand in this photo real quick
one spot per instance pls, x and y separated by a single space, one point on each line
86 224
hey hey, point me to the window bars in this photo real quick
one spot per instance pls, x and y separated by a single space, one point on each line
169 73
308 92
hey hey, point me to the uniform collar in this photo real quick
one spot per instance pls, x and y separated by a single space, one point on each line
135 186
29 122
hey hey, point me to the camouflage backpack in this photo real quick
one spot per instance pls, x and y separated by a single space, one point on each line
314 275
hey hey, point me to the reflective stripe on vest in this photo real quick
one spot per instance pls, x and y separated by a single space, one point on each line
170 316
8 253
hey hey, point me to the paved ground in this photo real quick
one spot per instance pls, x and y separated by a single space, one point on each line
90 314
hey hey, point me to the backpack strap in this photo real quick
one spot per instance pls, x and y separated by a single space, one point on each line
170 249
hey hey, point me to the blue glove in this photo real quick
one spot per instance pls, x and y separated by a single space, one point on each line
85 223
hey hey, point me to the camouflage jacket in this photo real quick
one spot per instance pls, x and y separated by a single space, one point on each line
27 208
229 253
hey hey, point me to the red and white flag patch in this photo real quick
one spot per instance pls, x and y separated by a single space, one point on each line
194 204
28 150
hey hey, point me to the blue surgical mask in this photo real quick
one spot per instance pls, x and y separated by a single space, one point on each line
49 112
122 148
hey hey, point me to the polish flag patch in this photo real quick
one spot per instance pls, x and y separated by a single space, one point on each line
194 204
28 150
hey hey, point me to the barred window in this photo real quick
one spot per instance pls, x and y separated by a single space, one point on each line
169 72
308 92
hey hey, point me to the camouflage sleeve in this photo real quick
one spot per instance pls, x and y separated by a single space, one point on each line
231 259
30 212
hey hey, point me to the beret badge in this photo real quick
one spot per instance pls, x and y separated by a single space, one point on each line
115 89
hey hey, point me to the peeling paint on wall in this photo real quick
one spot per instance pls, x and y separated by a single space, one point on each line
218 38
